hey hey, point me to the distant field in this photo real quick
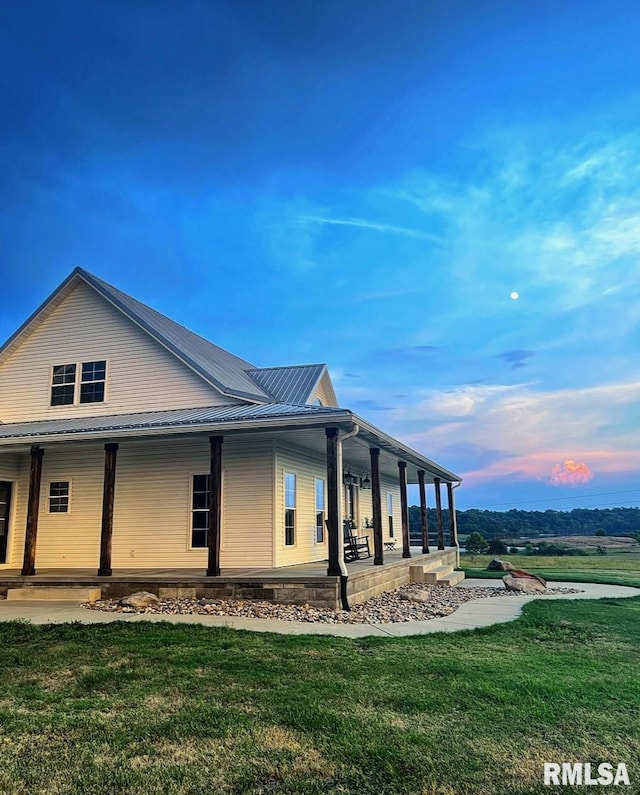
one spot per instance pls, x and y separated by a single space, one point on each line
619 543
616 568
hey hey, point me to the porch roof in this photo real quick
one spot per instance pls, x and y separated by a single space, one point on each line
214 419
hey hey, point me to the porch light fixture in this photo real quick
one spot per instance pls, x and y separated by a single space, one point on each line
365 482
348 479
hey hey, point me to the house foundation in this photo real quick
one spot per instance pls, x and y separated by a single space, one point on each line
304 584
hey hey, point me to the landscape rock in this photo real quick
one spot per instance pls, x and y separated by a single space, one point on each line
415 596
434 601
524 573
499 565
139 599
523 584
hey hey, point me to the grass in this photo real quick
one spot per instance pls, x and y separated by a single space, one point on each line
617 568
190 710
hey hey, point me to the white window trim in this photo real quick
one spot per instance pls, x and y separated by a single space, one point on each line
189 547
69 498
285 508
391 514
315 512
77 385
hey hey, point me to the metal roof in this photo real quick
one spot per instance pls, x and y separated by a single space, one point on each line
221 368
161 419
289 384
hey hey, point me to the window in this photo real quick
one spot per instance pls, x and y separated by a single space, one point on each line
351 504
63 384
320 510
390 512
92 383
93 380
59 496
289 509
200 496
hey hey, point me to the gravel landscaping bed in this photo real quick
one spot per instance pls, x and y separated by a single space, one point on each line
413 602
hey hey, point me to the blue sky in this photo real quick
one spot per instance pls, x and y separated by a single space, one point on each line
362 183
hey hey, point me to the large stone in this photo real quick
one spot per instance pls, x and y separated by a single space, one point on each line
415 596
523 573
523 584
498 565
139 599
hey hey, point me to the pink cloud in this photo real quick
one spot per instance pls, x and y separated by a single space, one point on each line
570 473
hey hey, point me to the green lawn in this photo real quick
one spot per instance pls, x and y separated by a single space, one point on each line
615 568
168 709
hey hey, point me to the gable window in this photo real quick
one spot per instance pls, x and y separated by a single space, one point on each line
63 384
320 510
59 496
289 509
64 390
200 496
93 380
390 512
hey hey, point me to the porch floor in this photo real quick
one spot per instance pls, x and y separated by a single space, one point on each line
302 571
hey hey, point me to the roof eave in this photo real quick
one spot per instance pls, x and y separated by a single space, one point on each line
406 453
8 344
264 423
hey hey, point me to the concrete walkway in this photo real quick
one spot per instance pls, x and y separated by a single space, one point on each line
472 614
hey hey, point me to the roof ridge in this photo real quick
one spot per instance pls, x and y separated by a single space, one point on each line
221 368
160 314
287 366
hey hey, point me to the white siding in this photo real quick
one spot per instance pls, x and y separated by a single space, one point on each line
307 466
324 392
9 466
391 485
66 539
141 374
152 505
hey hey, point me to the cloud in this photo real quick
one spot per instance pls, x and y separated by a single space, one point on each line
551 219
570 473
370 405
512 357
527 430
374 226
516 359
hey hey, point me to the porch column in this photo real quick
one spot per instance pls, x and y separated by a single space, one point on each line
110 454
215 506
404 508
334 480
376 505
436 484
453 524
33 505
424 522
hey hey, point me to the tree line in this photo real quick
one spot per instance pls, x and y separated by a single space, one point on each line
533 524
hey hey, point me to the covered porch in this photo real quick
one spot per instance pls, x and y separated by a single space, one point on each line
120 510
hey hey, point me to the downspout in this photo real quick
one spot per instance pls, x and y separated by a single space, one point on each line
343 567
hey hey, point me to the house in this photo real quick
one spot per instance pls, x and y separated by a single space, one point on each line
127 442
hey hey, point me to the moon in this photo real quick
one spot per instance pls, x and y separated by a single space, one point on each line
514 296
